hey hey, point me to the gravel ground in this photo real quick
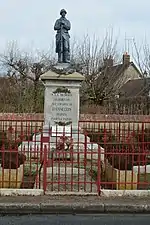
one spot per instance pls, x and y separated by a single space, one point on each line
68 178
63 183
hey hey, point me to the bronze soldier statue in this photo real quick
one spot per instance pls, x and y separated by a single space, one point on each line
62 26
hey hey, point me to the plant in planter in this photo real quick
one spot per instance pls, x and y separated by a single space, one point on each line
7 143
3 139
12 159
120 161
143 139
11 171
101 137
121 157
30 173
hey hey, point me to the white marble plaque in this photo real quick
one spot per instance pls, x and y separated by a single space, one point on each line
62 107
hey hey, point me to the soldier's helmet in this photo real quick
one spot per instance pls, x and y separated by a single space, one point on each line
63 10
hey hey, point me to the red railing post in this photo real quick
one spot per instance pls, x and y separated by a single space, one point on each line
143 145
99 171
85 160
41 147
45 169
85 150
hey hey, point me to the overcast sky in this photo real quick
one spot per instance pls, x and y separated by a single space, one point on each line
30 22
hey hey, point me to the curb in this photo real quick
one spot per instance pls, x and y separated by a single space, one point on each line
21 192
19 208
70 193
104 193
124 193
46 208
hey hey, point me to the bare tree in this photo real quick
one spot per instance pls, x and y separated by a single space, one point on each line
146 51
141 55
137 56
26 70
8 94
95 60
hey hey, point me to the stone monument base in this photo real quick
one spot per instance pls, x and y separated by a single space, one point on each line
49 138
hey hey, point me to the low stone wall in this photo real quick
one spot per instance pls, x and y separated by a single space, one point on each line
22 116
121 123
88 121
93 117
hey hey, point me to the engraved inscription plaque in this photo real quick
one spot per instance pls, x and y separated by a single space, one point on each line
62 107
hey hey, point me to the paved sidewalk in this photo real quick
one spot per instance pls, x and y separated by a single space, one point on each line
73 204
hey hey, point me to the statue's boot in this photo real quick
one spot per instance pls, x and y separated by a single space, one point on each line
59 58
66 57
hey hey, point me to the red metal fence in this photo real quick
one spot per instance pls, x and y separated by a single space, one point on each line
100 155
126 161
21 163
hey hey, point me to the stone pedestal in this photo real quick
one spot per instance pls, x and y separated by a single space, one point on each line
61 107
61 97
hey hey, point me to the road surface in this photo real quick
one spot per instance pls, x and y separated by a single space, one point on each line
76 220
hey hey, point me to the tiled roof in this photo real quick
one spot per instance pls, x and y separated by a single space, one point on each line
137 87
115 71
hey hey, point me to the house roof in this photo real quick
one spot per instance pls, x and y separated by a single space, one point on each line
137 87
116 70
